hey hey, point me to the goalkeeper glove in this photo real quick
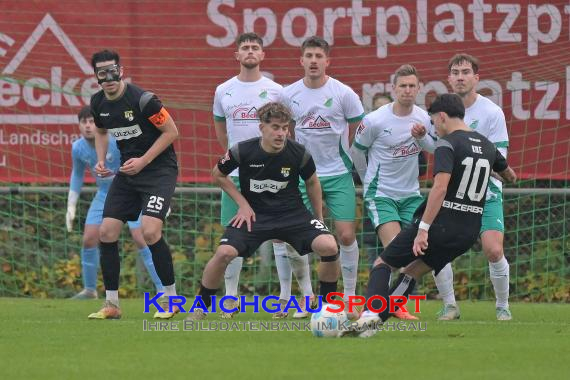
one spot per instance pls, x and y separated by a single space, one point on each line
72 199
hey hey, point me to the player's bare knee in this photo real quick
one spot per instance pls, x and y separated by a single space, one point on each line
225 254
325 246
151 234
346 237
108 234
90 241
494 252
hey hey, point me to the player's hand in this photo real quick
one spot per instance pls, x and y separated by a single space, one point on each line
244 214
69 217
420 243
133 166
101 170
418 131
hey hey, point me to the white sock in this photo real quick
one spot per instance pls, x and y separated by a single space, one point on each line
113 296
283 270
500 278
302 272
170 290
231 276
444 283
349 267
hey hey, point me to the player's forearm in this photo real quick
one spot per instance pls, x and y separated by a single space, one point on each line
508 175
223 141
427 143
315 196
434 202
221 134
164 141
359 160
101 144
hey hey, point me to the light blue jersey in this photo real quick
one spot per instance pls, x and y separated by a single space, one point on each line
84 157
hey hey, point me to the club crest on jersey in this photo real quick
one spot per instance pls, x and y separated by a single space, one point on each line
129 115
329 102
285 172
474 124
263 94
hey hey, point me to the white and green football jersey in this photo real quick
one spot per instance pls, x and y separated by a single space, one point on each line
488 119
321 118
237 102
392 169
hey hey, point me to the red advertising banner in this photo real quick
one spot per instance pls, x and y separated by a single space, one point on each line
182 50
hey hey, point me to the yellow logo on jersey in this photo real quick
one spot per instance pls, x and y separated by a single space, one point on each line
285 172
129 115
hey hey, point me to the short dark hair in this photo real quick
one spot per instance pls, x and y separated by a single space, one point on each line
252 37
274 110
404 71
451 104
381 95
84 113
316 42
105 55
460 58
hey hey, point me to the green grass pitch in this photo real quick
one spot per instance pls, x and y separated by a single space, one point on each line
52 339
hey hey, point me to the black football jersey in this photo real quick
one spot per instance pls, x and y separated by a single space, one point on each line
129 119
469 157
269 181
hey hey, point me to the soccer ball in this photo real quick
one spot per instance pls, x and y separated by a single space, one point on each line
326 324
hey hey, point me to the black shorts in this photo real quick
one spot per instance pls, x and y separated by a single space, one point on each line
444 245
149 191
298 228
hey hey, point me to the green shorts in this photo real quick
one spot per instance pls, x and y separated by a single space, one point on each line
383 210
493 219
339 196
229 207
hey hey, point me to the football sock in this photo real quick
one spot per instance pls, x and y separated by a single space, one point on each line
146 257
349 267
89 266
499 272
231 276
162 260
300 266
444 284
112 296
110 264
326 288
170 290
403 287
206 294
283 270
378 284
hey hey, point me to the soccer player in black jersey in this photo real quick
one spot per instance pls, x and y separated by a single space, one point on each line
447 224
146 180
270 203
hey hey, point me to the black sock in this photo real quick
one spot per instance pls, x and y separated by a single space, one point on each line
403 287
207 294
326 288
379 284
162 260
110 264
